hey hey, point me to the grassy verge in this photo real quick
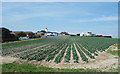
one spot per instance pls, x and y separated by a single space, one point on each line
19 40
21 43
113 52
27 67
7 42
0 68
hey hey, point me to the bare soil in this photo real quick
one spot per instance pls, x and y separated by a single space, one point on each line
80 60
56 55
104 61
71 58
113 48
8 59
62 60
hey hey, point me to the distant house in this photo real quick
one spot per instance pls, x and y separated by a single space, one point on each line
29 34
78 34
107 36
72 35
23 38
51 33
87 34
99 36
46 29
40 33
45 33
64 33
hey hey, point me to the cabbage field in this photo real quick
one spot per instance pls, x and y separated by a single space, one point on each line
58 48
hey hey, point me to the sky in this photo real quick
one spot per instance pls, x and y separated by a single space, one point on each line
72 17
60 0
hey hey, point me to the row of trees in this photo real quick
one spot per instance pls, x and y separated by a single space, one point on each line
7 35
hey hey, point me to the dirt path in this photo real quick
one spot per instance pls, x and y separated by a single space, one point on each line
98 52
71 58
113 48
86 49
104 61
44 60
57 54
7 59
62 60
89 59
79 60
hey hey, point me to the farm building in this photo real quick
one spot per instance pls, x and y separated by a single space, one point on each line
29 34
64 33
107 36
39 33
87 34
46 29
51 33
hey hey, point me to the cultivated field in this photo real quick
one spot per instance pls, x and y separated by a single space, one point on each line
63 52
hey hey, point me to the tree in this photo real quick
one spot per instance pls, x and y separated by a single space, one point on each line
30 34
5 32
6 35
78 34
43 31
65 33
21 34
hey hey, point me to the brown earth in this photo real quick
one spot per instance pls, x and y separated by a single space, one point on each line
104 61
113 48
7 59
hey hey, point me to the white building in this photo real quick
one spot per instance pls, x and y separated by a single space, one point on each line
87 34
48 33
46 29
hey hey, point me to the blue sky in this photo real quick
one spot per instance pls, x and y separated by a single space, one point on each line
73 17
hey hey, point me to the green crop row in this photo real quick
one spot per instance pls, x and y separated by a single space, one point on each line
67 56
48 48
59 57
82 55
75 56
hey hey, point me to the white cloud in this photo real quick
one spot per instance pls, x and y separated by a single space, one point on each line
20 17
109 18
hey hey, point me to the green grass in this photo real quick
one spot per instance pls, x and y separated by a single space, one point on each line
0 68
115 52
118 46
19 43
27 67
